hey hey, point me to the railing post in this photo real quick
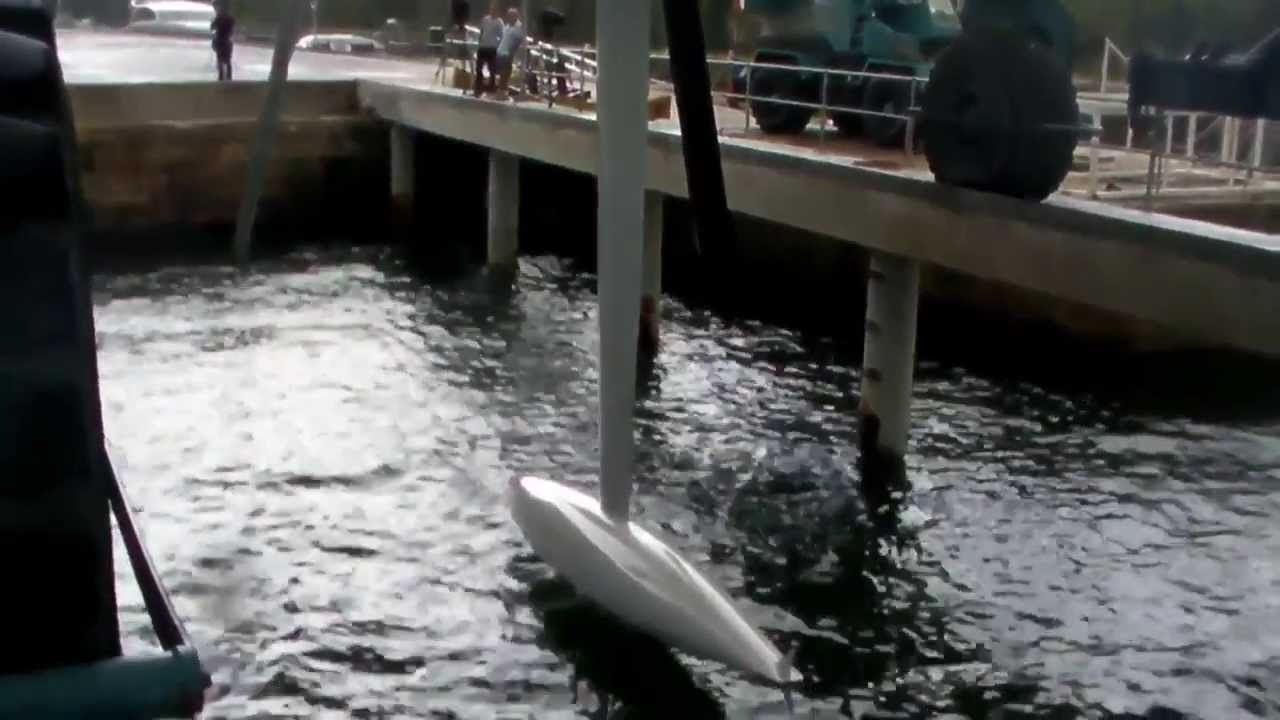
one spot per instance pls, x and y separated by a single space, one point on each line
1259 138
1093 168
822 126
1192 120
909 139
1235 140
1226 139
1259 132
746 101
1106 64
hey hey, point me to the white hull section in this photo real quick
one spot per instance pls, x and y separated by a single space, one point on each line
641 580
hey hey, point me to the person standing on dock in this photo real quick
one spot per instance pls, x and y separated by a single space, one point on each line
222 27
512 40
491 30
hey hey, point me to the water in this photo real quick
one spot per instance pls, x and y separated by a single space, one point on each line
320 450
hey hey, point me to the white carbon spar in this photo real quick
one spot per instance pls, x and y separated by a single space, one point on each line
593 543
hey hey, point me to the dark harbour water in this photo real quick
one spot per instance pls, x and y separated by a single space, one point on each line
320 450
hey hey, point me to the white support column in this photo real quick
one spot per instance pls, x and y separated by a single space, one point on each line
504 209
402 173
1192 121
651 302
622 29
893 289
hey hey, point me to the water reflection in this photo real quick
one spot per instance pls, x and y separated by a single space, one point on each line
619 672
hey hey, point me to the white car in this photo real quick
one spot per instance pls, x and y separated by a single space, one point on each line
172 17
339 43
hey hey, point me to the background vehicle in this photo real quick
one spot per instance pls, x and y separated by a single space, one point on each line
172 17
995 101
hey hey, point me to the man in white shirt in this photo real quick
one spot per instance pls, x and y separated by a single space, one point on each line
491 31
512 40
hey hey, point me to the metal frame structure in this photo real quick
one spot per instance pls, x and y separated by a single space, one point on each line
1162 160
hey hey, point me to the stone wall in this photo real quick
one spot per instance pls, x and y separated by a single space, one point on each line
165 164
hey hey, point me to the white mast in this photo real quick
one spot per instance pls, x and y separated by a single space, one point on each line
622 87
613 561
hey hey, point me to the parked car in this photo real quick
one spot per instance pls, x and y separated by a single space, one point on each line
171 17
339 43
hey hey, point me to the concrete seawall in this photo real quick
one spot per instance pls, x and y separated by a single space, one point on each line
778 273
159 159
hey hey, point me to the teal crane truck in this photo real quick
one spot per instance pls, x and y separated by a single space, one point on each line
993 103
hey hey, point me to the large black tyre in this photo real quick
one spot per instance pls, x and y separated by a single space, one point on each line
776 118
847 123
997 115
890 97
842 92
25 66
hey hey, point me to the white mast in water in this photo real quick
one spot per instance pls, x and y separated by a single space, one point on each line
610 559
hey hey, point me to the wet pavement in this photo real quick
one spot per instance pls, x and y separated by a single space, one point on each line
92 56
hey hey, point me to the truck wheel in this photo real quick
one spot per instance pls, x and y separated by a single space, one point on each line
775 118
842 93
886 96
994 115
849 124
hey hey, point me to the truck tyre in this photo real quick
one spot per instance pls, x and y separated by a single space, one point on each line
843 92
886 96
775 118
847 123
25 66
996 116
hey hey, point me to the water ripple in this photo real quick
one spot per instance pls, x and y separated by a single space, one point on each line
320 448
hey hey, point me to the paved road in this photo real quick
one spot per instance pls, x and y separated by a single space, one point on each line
90 56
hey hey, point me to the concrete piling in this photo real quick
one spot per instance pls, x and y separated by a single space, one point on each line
504 210
403 179
893 291
651 300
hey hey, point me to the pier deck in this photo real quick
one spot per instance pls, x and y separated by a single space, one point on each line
1211 282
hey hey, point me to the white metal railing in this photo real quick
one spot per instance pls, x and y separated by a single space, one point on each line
1226 157
579 63
1162 147
544 52
575 59
824 108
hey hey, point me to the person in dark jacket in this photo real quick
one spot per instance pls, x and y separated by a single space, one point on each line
222 27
